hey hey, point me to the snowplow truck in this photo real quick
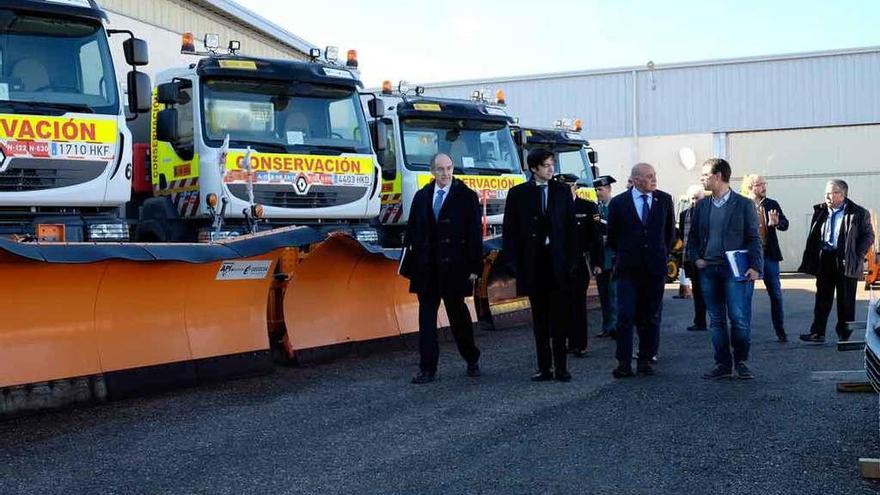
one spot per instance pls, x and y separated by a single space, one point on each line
65 149
240 144
572 152
414 127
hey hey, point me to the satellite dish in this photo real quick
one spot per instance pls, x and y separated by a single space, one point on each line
688 158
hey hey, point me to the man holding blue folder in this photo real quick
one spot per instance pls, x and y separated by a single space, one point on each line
722 224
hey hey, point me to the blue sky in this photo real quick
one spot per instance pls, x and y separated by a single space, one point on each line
455 39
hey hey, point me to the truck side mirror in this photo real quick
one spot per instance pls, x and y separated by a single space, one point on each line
139 92
380 133
593 156
376 107
595 171
166 126
168 93
137 53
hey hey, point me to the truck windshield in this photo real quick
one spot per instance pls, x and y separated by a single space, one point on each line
476 147
573 160
295 117
55 64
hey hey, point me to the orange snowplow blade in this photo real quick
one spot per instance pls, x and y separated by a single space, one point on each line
138 315
74 320
342 293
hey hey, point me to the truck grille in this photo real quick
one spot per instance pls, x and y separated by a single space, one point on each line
283 195
28 174
493 207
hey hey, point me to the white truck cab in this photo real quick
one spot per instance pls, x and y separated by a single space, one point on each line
474 133
240 144
65 149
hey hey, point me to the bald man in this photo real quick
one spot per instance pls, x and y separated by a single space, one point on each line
641 232
770 221
443 235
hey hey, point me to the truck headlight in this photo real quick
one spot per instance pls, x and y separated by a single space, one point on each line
367 236
108 232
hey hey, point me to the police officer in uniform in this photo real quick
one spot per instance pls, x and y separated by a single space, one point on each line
605 281
588 257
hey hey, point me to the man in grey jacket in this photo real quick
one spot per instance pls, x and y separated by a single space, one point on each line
840 235
722 222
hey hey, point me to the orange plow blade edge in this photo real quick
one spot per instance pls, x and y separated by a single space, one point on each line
85 322
88 322
342 293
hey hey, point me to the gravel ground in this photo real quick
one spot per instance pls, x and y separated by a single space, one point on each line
356 425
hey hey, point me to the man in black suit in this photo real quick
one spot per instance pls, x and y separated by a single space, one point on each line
840 236
444 241
539 248
641 231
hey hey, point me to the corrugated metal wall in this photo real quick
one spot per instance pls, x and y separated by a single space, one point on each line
815 91
182 16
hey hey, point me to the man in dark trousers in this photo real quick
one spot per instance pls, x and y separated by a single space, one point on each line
539 249
605 281
726 222
588 256
840 236
771 220
445 254
694 193
641 232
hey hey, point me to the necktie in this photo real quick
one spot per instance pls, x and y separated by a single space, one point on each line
832 230
543 198
645 209
438 203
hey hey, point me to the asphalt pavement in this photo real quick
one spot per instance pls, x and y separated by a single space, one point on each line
356 425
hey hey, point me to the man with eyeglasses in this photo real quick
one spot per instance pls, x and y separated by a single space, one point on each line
770 220
840 236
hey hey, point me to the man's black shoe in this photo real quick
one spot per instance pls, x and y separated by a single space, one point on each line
844 335
623 372
607 334
565 376
696 328
781 336
542 376
813 337
645 368
579 353
423 377
473 370
718 372
743 372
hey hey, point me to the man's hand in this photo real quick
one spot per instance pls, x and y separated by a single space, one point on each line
473 277
774 218
597 270
752 274
700 263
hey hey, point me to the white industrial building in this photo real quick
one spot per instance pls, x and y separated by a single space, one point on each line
798 119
